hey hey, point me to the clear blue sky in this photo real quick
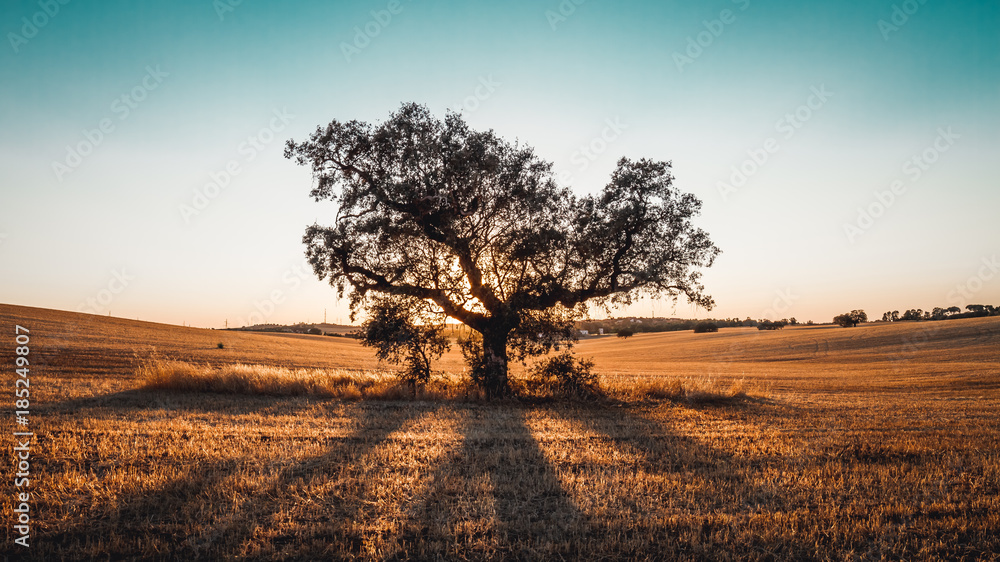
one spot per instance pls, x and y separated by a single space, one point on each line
837 101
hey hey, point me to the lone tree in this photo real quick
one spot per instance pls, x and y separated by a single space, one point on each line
626 333
851 319
706 327
477 228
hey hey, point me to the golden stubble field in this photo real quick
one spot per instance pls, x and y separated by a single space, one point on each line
874 442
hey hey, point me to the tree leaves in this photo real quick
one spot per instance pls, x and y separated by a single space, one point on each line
432 210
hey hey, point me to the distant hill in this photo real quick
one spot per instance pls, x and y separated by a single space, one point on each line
300 328
941 355
74 344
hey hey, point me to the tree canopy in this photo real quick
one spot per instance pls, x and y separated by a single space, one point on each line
475 226
851 319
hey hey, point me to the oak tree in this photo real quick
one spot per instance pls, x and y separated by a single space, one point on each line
477 227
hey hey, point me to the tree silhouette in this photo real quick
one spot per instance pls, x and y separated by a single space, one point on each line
435 211
851 319
392 328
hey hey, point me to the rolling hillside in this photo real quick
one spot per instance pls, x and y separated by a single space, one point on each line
941 355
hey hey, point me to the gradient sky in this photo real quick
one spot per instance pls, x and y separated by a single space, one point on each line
707 85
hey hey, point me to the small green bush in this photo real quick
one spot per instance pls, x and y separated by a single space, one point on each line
565 375
706 327
221 346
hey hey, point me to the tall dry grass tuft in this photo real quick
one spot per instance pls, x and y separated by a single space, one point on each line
241 378
269 380
631 388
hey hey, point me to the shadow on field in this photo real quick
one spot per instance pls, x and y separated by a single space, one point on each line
497 497
119 404
743 407
216 507
259 519
714 492
497 493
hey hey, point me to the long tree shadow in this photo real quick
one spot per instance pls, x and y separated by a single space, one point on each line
706 497
508 491
137 401
122 403
253 530
214 509
498 497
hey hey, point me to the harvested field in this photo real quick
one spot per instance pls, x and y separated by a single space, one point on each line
873 442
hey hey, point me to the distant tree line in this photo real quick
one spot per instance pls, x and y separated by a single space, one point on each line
938 313
633 325
769 325
855 317
645 325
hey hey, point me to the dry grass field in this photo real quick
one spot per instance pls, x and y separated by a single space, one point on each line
870 443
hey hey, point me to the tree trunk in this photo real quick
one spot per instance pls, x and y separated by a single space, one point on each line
495 381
